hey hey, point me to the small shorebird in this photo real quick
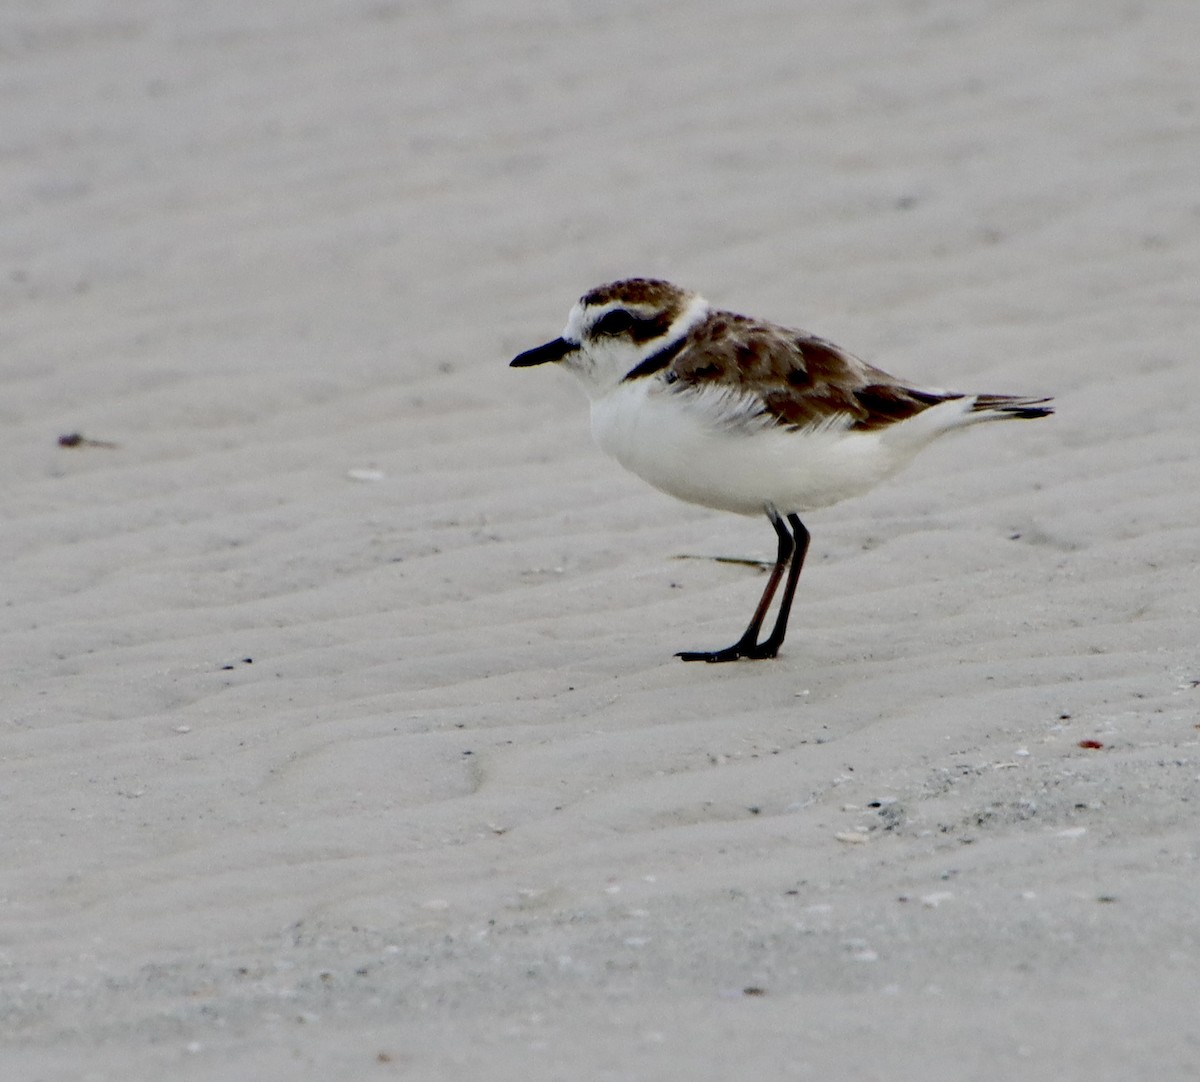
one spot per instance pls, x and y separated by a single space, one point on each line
743 415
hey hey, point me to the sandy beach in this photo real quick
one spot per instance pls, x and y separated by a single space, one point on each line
342 735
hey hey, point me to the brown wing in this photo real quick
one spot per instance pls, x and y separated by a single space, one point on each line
800 380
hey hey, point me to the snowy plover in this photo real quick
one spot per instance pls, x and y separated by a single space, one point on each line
747 416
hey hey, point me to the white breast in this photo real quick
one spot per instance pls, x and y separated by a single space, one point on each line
710 447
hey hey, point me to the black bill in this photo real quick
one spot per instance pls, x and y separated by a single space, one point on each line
551 351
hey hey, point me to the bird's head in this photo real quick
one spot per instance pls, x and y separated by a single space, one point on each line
616 328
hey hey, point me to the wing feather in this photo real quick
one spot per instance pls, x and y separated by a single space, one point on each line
794 379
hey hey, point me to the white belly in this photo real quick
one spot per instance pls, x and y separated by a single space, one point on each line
686 446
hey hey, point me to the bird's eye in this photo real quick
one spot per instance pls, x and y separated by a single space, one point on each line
615 322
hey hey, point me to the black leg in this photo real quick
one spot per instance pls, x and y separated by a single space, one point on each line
791 549
775 640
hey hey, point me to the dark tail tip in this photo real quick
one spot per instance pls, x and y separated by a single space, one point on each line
1013 406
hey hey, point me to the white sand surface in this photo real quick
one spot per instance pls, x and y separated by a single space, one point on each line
342 736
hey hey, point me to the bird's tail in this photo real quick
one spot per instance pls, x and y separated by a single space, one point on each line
999 406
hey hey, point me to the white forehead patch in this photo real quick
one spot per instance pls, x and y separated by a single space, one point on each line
573 332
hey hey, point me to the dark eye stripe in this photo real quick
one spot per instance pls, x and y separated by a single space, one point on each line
618 321
654 326
638 328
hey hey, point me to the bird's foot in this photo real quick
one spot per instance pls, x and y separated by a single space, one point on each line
751 651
